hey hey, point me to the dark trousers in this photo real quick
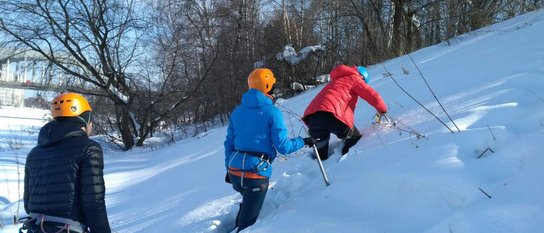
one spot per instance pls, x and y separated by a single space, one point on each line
253 193
322 124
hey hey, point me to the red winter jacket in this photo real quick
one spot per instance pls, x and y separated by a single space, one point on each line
339 96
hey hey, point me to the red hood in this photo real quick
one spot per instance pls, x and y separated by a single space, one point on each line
340 95
343 70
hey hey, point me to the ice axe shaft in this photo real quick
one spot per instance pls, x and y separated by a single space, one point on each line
325 178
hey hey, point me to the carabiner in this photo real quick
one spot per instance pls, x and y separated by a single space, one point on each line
258 167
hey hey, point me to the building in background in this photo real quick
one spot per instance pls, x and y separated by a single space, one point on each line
10 74
22 71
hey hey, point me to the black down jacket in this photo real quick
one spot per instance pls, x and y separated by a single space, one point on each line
64 177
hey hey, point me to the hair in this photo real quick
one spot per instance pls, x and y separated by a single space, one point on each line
83 119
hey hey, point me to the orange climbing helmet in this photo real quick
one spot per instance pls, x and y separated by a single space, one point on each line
261 79
69 105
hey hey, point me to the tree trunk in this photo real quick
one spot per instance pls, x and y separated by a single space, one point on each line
125 126
397 21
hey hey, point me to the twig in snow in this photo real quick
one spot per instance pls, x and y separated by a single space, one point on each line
536 95
494 138
405 71
488 149
488 196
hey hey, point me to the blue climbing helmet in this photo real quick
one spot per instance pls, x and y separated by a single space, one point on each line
362 70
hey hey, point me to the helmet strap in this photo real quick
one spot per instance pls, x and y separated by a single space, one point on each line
270 96
86 121
81 118
271 92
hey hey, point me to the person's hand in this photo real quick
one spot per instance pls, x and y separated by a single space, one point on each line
381 116
227 178
309 141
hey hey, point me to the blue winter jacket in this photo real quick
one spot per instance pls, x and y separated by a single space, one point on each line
258 126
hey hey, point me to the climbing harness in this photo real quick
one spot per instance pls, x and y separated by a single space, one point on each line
39 219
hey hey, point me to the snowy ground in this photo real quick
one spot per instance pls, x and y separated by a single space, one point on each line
490 81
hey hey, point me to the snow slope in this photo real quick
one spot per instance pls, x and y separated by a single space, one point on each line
490 81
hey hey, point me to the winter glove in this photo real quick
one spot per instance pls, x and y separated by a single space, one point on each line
309 141
381 116
227 178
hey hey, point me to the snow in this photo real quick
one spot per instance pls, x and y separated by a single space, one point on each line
290 55
119 95
490 81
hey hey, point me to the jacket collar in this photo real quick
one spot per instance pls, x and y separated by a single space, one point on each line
254 98
56 131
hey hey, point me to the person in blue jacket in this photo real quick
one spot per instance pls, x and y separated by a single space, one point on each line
256 131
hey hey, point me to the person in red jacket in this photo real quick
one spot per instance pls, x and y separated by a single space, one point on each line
332 110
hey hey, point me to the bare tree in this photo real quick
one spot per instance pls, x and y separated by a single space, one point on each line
239 42
175 62
106 44
183 58
95 41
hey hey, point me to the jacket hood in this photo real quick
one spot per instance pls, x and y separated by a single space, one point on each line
343 70
255 99
55 131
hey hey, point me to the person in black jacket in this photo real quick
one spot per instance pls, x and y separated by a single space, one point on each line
64 184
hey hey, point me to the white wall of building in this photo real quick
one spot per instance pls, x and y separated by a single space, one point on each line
12 97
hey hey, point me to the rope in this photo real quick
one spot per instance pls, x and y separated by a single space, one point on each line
384 120
289 112
420 104
292 127
296 116
66 226
393 124
379 137
378 121
425 80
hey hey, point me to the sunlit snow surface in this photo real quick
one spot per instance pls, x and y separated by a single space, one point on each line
490 81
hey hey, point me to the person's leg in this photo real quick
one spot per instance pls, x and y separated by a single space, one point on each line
321 137
236 182
254 192
322 124
350 137
319 129
237 185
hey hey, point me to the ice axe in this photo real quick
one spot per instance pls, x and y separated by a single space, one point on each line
325 178
299 118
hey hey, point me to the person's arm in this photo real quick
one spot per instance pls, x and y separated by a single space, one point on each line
26 196
278 132
370 95
93 189
229 143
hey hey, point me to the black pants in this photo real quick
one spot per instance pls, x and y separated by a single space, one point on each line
253 193
322 124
